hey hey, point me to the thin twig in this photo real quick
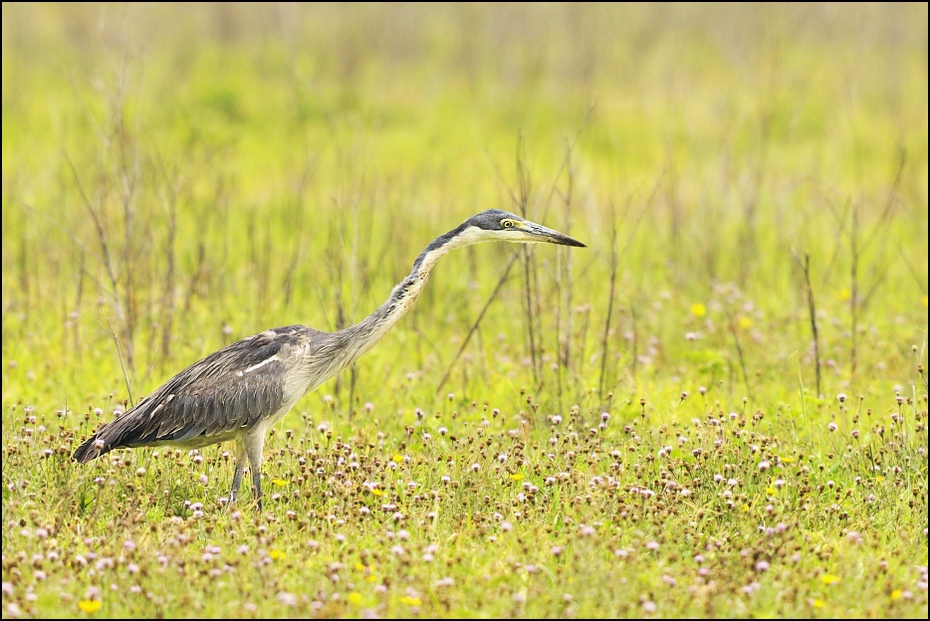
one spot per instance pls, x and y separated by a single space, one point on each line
614 264
474 327
739 353
812 311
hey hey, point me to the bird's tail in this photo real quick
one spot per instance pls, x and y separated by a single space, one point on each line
92 448
119 433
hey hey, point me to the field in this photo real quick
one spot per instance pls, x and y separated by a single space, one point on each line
718 408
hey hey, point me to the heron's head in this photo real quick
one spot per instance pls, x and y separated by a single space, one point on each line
498 225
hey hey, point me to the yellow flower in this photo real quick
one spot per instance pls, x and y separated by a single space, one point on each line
698 309
817 603
276 554
844 295
354 598
745 322
771 491
410 601
398 458
376 491
829 578
896 593
517 476
90 606
279 482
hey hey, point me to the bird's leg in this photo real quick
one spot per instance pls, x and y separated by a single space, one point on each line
254 444
240 468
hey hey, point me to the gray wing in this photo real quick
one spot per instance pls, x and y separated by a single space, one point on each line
233 388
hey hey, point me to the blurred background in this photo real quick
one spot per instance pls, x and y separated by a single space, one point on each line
177 176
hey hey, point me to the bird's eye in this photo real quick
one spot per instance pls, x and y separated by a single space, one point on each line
506 223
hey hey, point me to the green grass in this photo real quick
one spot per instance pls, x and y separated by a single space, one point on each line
641 427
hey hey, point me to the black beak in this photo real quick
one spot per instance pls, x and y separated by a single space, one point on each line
552 236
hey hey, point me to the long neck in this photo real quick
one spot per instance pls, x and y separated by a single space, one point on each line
358 339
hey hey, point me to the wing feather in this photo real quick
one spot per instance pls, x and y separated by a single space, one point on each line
209 401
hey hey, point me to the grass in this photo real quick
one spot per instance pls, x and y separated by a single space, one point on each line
717 409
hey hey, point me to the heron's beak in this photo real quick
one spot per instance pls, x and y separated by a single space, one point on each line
539 233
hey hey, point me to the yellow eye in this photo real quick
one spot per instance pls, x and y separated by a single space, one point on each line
506 223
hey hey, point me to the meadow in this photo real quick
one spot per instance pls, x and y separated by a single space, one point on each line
718 408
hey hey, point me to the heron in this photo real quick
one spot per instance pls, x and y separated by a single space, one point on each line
239 391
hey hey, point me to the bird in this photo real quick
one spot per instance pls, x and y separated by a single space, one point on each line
238 392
